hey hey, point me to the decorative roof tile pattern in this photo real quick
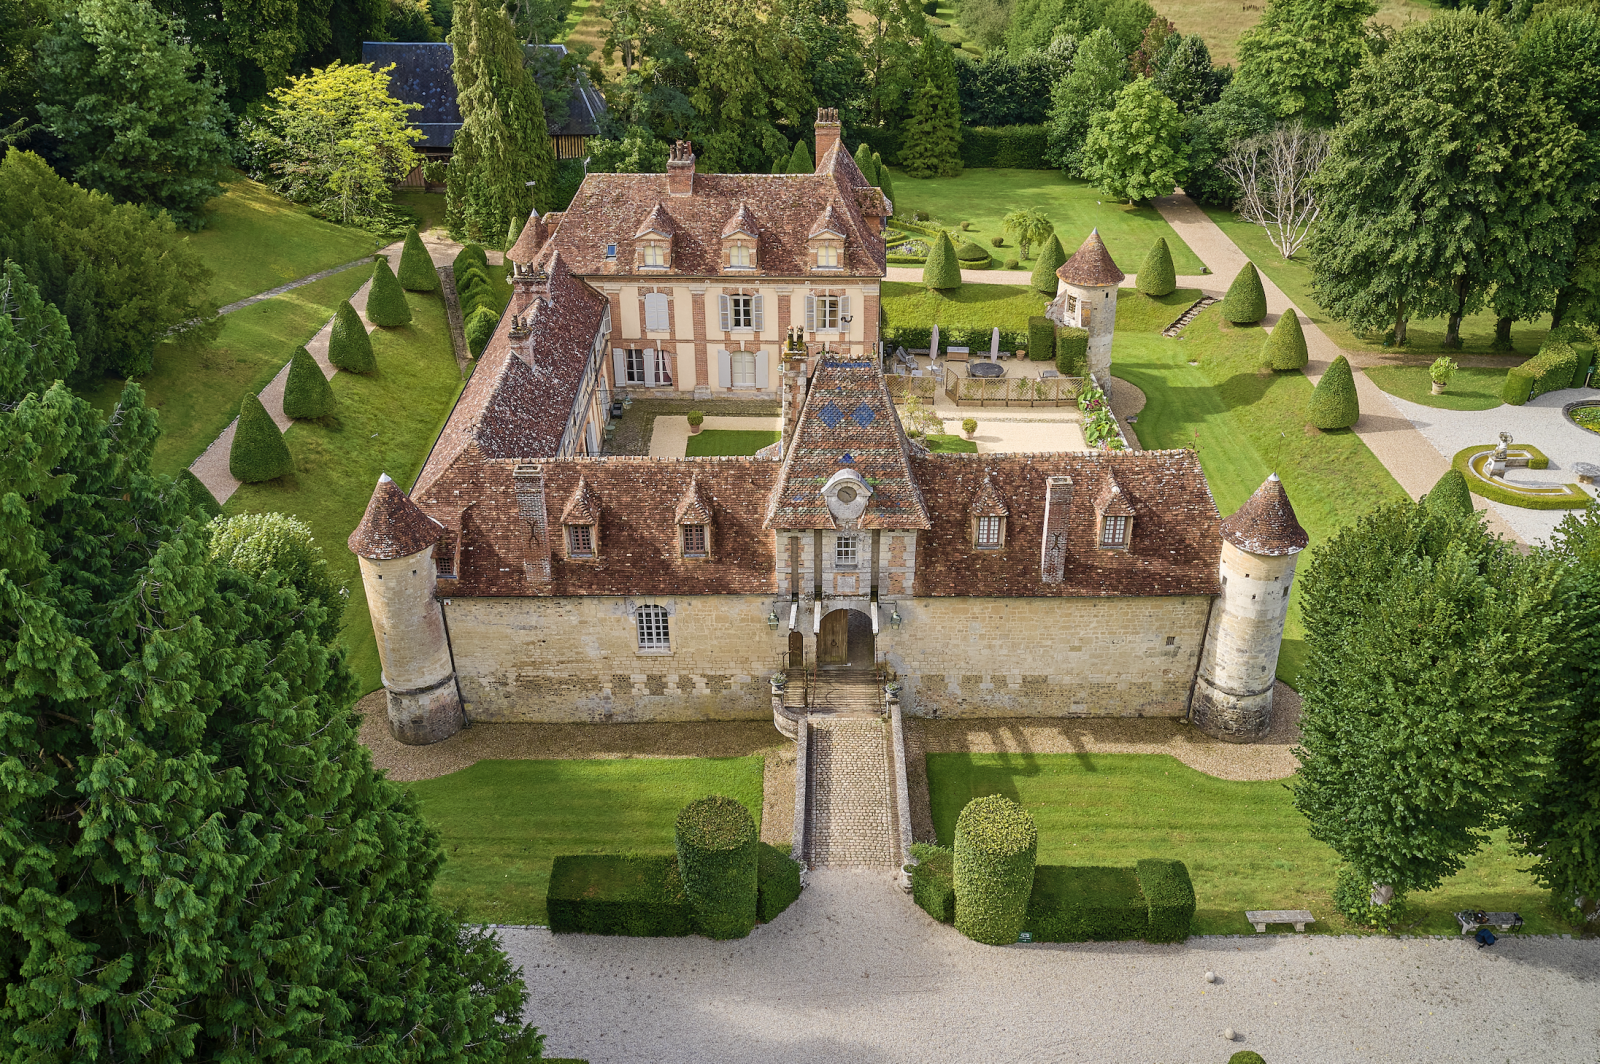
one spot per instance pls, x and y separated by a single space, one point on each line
742 221
1091 265
1111 502
1174 548
693 508
1266 523
658 222
988 503
393 526
829 221
531 242
582 507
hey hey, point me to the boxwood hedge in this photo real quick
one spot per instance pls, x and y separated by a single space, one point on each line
933 884
349 346
386 300
777 882
994 852
1169 893
611 894
1086 904
1551 369
1072 350
717 856
1041 339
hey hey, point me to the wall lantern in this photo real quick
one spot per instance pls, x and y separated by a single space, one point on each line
772 620
895 618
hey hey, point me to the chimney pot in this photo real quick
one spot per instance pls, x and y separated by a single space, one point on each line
827 132
680 170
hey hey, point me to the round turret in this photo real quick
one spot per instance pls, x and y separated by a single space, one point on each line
1087 298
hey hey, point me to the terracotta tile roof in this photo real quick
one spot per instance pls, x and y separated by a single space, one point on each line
609 209
393 525
693 508
987 503
1091 265
530 242
848 422
1176 541
582 508
1111 502
742 221
1266 523
657 221
828 222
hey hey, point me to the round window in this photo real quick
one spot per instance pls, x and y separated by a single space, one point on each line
846 494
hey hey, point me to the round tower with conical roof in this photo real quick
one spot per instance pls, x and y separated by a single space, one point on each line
1261 542
395 543
1087 298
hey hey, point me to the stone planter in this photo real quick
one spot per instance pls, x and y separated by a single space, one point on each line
694 430
1438 388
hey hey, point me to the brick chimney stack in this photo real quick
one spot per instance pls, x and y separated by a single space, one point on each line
1053 548
680 170
827 132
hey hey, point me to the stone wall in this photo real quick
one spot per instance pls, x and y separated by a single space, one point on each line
1234 697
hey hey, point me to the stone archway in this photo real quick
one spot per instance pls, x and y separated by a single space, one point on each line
845 640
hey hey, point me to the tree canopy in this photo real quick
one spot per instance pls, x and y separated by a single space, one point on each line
1098 71
1136 150
1305 52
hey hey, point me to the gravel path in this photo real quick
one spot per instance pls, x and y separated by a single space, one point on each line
853 971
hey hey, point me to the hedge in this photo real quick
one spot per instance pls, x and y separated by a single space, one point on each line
1246 1056
1333 401
416 265
864 163
1051 258
1580 375
717 856
480 329
468 255
1158 276
349 346
1286 344
1072 350
970 252
1169 893
994 850
1246 301
1014 147
199 495
777 882
1572 497
609 894
975 337
1550 370
258 452
1041 339
943 270
472 279
1450 497
306 393
1086 904
386 300
933 884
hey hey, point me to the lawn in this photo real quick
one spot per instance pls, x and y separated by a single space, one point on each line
984 197
503 822
1424 337
255 239
384 423
1245 844
427 206
713 442
942 444
1139 313
1469 389
1007 306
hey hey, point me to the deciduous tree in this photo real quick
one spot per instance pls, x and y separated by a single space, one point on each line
1305 53
1274 176
1098 71
930 142
1136 150
893 30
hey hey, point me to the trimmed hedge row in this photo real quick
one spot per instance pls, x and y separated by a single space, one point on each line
1572 498
1552 369
777 882
480 304
1086 904
1041 339
1072 351
611 894
1013 147
994 856
1169 892
933 883
718 847
975 337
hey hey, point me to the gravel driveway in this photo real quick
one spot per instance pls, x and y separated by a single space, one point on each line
855 972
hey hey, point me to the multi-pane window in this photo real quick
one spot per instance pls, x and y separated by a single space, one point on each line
663 367
580 541
653 634
635 365
1114 532
827 256
741 312
827 313
652 253
989 532
694 541
845 555
742 365
741 255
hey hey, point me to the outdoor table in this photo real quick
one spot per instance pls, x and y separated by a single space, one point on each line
986 369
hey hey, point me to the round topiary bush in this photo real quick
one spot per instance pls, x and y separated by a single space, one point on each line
349 346
416 265
1052 256
943 270
479 328
997 241
1246 301
1333 400
306 393
1246 1056
1450 496
386 300
970 252
1286 344
995 846
1157 276
1013 264
258 452
718 850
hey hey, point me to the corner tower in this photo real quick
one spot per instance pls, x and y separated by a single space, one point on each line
395 543
1087 298
1261 542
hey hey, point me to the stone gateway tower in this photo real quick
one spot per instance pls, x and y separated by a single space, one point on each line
1261 542
395 544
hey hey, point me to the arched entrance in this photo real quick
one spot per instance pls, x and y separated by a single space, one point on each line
845 640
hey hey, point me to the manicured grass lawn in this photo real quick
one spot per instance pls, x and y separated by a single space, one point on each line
987 306
1424 337
503 822
1137 312
255 239
429 207
1245 844
942 444
984 197
1469 389
384 423
712 442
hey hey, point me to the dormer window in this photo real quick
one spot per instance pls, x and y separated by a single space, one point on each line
580 520
828 254
1114 515
580 541
1114 532
741 256
826 239
989 513
652 244
989 533
693 516
694 541
652 253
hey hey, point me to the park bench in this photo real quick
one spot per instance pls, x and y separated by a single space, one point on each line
1472 919
1260 918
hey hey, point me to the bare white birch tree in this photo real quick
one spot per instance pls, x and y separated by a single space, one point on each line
1274 174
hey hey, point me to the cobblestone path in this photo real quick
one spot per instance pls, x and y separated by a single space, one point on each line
849 805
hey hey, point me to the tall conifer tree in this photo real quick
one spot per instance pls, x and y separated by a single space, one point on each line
931 143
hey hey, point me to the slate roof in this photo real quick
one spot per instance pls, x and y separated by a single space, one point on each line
393 526
1091 265
1266 523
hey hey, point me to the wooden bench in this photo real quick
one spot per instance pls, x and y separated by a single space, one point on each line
1260 918
1472 919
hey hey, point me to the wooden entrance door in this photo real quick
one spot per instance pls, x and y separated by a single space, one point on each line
833 643
797 650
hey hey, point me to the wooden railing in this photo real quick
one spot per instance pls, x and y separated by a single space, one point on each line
1011 391
903 386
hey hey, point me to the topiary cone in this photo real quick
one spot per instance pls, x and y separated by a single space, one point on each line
200 496
349 346
1158 277
386 300
1051 258
800 159
258 452
943 269
1286 345
307 392
1333 400
416 265
885 185
996 842
1450 497
1246 301
865 164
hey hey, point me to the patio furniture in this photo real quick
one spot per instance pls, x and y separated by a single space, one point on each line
1049 374
986 369
1472 919
1586 471
1260 918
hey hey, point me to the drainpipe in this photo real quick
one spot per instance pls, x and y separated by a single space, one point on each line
1188 709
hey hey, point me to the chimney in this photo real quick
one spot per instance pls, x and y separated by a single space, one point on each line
529 481
827 132
1057 510
680 170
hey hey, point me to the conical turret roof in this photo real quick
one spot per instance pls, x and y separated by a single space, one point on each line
393 526
1266 523
529 244
1091 265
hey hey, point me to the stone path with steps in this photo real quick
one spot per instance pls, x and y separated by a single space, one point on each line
1189 315
309 278
849 793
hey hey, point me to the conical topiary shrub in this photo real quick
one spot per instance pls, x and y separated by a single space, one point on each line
307 392
943 269
800 159
513 231
1333 400
1157 276
200 496
258 452
1450 497
1051 258
1246 301
1286 346
349 346
865 163
885 185
416 265
386 300
996 843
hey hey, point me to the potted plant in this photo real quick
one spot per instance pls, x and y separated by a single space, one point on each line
696 419
779 681
1440 372
969 426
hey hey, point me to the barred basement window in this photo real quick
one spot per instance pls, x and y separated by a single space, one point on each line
694 541
1114 532
844 552
580 541
988 533
653 634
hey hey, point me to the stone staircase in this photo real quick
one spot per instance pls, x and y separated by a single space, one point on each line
846 692
1189 315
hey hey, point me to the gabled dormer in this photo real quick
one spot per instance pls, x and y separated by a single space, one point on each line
1113 516
741 241
694 519
987 523
825 241
580 524
652 244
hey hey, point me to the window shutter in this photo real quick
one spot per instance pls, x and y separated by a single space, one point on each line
844 312
811 313
724 369
755 311
619 366
761 369
649 368
725 312
655 312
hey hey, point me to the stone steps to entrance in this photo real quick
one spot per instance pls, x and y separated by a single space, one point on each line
1189 315
850 823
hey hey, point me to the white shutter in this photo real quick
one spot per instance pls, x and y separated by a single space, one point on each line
844 312
761 369
725 312
649 368
811 313
655 312
724 369
755 311
619 366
